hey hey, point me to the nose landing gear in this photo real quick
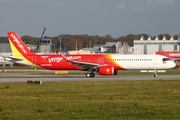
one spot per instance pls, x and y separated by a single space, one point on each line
155 73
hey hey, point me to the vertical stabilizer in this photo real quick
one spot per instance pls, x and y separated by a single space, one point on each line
18 48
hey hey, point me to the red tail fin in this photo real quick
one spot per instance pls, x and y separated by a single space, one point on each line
18 47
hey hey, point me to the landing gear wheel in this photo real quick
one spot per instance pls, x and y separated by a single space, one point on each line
88 75
155 75
92 75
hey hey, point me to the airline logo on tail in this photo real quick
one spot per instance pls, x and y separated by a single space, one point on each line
19 44
19 49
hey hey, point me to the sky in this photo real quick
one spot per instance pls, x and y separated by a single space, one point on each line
93 17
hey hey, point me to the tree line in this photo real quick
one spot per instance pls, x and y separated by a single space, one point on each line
68 42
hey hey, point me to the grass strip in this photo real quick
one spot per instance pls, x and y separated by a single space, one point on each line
91 100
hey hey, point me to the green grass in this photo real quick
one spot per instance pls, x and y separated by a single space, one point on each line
91 100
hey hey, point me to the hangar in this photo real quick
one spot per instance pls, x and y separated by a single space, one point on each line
152 45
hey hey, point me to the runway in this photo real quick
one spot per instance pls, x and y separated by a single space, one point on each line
23 77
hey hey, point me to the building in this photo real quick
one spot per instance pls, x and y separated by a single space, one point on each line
112 47
5 48
45 46
118 48
95 49
150 45
5 51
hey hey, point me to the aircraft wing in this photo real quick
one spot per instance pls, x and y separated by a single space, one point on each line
11 58
17 60
83 65
86 65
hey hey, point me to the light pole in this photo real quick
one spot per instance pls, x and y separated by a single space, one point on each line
90 44
65 47
54 48
1 48
76 44
60 45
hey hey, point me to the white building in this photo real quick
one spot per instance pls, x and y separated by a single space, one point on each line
150 46
118 48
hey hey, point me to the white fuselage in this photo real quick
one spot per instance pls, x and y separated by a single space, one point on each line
132 62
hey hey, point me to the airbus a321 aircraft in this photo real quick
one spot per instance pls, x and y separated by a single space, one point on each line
104 64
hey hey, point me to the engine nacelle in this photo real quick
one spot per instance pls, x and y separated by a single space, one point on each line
106 70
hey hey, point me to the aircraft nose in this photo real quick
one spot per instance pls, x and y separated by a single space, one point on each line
176 63
173 65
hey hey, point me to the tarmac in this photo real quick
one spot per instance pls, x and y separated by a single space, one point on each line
26 76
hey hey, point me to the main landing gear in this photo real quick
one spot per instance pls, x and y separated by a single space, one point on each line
90 73
155 73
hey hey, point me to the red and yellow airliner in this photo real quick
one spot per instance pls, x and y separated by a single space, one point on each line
104 64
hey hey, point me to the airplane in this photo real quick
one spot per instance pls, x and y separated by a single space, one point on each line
104 64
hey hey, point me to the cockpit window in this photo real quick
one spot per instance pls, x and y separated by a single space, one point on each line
165 59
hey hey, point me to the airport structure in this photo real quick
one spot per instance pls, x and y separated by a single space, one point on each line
5 48
44 46
112 47
5 51
151 46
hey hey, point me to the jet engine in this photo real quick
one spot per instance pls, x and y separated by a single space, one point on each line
106 70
